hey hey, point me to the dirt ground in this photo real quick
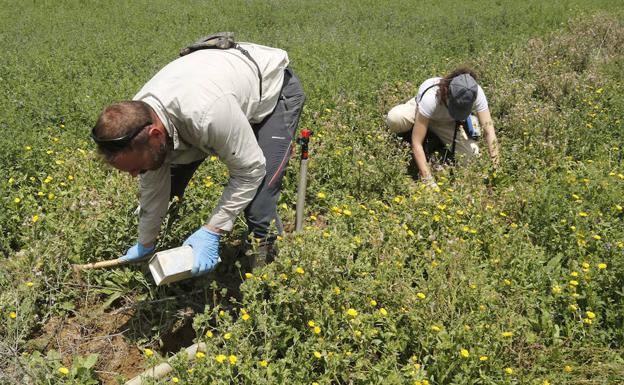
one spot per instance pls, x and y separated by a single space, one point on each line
94 332
117 334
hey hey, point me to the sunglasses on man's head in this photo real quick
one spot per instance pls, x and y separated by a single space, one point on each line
118 143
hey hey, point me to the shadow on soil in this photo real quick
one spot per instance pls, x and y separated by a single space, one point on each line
164 324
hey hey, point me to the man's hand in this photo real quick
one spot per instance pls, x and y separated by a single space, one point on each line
137 252
205 244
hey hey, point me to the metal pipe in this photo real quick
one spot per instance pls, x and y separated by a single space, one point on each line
303 140
161 370
301 190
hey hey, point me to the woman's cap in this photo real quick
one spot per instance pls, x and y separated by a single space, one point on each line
462 93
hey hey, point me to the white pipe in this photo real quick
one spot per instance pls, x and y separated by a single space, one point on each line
161 370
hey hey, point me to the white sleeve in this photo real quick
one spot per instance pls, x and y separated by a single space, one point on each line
154 188
427 104
225 130
481 103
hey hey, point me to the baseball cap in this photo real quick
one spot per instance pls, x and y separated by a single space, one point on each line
462 93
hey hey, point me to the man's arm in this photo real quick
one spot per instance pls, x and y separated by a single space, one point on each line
485 120
226 130
154 188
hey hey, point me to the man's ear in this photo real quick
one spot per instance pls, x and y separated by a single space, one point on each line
156 132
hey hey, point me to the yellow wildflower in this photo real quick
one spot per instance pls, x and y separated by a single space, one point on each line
209 334
227 336
317 355
63 371
590 315
299 270
567 369
507 334
220 358
421 295
464 353
263 363
484 358
321 195
602 266
352 312
148 352
233 359
383 312
12 315
200 355
508 371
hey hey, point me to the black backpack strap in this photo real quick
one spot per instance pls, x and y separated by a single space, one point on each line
425 91
248 56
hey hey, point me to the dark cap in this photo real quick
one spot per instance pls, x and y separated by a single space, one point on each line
462 93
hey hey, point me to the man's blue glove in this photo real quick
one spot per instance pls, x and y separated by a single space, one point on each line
136 252
205 244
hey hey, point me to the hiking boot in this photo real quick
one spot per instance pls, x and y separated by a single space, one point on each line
259 253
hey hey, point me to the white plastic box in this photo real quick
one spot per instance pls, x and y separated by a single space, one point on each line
171 265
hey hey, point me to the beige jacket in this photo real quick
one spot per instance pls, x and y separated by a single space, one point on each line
207 100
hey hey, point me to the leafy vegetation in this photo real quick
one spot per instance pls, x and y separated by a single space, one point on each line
505 276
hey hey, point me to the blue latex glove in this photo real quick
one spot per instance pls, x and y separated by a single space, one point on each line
136 252
205 244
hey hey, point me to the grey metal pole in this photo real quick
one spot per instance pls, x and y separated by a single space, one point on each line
301 191
303 140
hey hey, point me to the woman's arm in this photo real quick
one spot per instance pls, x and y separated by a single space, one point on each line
418 136
485 120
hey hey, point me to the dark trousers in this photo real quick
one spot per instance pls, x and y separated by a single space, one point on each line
275 138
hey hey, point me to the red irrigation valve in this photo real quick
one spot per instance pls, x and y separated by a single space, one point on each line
303 140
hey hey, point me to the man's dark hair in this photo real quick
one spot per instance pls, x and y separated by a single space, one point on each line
444 82
120 119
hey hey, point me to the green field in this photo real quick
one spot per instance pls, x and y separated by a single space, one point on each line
506 276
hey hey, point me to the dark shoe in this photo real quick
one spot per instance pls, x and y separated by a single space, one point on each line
259 253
